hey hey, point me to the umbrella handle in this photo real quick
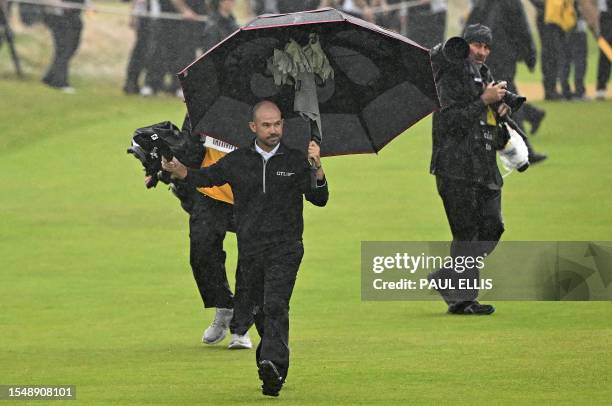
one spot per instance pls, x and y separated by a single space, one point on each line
315 135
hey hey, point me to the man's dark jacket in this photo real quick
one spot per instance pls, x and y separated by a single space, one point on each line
461 149
512 39
268 201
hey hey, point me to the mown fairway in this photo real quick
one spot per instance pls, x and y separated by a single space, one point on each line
96 288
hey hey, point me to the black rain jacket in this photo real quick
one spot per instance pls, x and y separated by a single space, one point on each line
268 202
464 146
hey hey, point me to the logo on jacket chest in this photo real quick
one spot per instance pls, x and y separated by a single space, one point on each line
286 174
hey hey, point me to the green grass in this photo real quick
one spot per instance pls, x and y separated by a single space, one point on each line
96 288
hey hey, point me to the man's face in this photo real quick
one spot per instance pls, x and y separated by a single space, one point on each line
268 126
479 52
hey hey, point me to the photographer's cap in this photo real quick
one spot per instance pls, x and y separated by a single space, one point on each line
478 33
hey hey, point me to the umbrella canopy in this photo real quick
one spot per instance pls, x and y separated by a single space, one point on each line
382 82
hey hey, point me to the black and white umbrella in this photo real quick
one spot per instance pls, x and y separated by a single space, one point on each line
382 83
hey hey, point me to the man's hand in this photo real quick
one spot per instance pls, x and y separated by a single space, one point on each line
314 155
185 10
493 93
175 167
503 110
189 14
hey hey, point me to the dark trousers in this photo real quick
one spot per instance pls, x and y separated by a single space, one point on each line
66 30
165 55
209 221
141 53
576 57
271 277
554 51
191 38
603 67
474 215
175 45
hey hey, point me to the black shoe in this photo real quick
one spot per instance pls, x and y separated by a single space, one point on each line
581 97
471 308
272 380
56 85
537 120
131 89
536 157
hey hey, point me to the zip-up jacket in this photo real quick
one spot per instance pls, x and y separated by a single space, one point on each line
463 142
268 202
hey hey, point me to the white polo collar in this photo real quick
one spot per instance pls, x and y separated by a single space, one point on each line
266 155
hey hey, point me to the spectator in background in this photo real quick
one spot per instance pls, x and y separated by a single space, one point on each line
139 58
605 29
427 22
554 41
390 18
174 45
292 6
220 24
66 26
357 8
259 7
576 57
191 30
282 6
513 43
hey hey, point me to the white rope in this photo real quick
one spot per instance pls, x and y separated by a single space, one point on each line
108 10
402 7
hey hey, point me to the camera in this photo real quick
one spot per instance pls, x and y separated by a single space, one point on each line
513 100
447 54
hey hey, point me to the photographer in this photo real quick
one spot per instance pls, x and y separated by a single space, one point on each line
466 135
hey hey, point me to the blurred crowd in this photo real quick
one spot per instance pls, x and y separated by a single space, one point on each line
172 33
156 38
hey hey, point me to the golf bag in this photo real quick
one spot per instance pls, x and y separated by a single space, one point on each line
150 143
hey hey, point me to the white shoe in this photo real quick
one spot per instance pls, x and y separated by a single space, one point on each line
240 342
219 326
68 90
600 94
146 91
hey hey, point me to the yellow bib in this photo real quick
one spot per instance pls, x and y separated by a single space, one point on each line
222 193
491 120
561 13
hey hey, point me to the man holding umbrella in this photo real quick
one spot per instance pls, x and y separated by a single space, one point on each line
332 76
268 180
